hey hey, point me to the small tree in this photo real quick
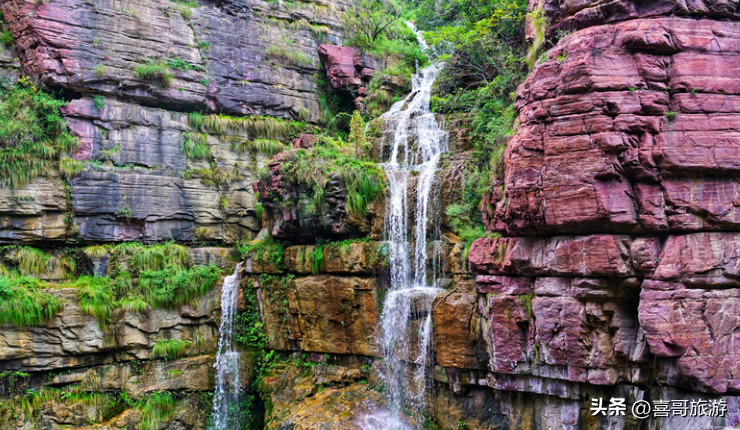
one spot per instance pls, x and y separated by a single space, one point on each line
368 19
357 133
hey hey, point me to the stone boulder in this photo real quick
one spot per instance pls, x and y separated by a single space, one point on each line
346 67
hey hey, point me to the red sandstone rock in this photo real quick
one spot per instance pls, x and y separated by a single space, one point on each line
599 255
341 67
635 132
699 329
597 142
304 141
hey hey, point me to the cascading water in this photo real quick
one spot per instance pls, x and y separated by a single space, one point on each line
406 322
228 381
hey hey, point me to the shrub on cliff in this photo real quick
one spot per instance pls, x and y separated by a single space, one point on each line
33 135
364 180
367 20
24 303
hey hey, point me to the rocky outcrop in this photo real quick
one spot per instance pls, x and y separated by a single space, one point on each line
617 265
75 339
325 396
222 56
346 67
290 212
115 62
77 353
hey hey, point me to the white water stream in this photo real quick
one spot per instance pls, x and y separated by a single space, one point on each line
406 323
228 380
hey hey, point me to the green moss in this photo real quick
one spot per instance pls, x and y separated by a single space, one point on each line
526 300
33 135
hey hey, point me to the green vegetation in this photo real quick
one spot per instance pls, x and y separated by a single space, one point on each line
33 135
69 167
249 330
486 62
154 408
526 300
265 146
155 71
175 63
171 348
670 116
99 71
368 20
317 257
33 262
256 127
334 159
267 251
158 407
375 26
157 276
286 49
99 102
195 146
24 301
6 38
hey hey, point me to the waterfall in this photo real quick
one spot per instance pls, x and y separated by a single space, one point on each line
228 380
406 321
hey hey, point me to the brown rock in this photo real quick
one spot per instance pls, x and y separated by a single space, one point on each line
324 314
456 330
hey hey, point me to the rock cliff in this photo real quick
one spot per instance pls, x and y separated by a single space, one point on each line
610 267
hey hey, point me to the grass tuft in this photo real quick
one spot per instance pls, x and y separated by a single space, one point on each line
24 303
171 348
158 407
156 71
195 146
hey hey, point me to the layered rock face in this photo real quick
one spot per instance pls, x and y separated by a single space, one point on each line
76 350
617 208
243 58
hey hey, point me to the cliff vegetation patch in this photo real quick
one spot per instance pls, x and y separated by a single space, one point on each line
33 136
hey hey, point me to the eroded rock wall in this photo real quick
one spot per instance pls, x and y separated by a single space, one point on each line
236 58
243 58
616 210
614 272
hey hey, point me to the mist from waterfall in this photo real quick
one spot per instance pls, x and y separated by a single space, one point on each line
417 144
